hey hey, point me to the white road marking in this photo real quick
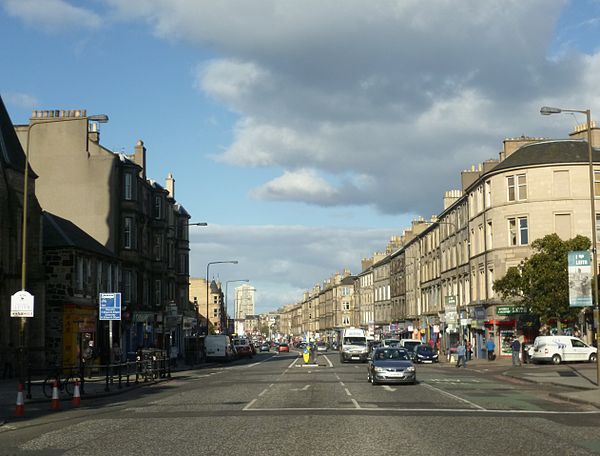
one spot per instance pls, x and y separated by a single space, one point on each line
305 388
355 403
293 362
328 360
424 410
342 383
263 392
389 388
348 392
250 404
453 396
337 376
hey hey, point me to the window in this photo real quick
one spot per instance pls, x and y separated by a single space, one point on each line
215 312
562 225
79 274
127 286
158 243
490 236
345 320
596 183
517 187
128 233
488 194
597 226
157 292
128 186
518 231
157 207
346 305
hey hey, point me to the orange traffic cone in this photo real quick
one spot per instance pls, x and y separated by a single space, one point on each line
55 399
76 402
20 410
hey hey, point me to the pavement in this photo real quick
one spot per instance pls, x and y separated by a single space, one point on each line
577 382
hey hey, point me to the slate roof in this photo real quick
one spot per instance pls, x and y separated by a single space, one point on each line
60 233
548 153
11 152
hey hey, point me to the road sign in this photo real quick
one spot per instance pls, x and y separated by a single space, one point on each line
21 305
110 306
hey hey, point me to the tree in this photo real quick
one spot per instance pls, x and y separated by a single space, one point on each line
541 283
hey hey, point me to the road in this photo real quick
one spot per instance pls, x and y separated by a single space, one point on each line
273 405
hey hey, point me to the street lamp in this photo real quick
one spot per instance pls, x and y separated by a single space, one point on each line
226 285
208 285
546 111
100 118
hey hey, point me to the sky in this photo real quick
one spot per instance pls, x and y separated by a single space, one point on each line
305 132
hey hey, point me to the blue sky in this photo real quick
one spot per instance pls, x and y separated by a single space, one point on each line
305 133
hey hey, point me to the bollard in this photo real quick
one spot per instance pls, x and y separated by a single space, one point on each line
20 410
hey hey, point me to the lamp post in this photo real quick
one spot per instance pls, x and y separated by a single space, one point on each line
100 118
208 285
226 286
546 111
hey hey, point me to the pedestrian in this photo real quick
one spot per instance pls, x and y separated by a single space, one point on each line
461 355
88 357
516 350
469 351
490 347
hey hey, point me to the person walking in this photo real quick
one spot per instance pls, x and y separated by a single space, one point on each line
516 351
490 347
461 355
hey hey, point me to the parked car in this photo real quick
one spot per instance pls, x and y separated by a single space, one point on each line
424 353
321 347
265 347
391 365
409 345
557 349
391 342
243 348
284 348
218 347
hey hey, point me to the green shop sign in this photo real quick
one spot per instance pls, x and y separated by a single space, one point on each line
509 310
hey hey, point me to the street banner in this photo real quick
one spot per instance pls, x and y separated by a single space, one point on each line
580 279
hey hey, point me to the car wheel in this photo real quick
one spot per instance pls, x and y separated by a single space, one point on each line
556 359
593 358
373 382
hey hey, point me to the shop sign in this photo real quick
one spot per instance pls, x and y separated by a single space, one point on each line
21 305
510 310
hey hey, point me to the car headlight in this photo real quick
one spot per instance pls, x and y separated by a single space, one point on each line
410 369
435 356
379 369
421 356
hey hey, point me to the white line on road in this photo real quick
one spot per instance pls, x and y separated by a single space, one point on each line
337 376
293 362
355 403
328 360
348 392
453 396
422 410
250 404
263 392
389 388
342 383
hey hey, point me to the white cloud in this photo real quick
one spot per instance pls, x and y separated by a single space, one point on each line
303 185
52 15
22 100
402 94
281 261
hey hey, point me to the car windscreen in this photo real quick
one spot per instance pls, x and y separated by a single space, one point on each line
355 341
390 354
424 349
411 345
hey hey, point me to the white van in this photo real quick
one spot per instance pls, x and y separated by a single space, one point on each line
561 348
218 346
353 345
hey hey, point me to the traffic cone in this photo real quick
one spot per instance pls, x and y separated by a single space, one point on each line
76 402
20 410
55 399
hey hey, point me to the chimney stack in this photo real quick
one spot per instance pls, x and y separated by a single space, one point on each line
139 157
170 185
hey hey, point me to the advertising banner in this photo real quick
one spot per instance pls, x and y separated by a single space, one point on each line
580 279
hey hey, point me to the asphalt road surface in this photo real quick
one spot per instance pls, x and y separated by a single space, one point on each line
273 405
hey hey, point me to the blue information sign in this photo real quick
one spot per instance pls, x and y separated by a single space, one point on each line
110 306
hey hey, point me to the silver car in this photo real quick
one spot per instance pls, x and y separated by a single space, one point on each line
391 365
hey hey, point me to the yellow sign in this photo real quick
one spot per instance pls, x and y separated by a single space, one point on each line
306 356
